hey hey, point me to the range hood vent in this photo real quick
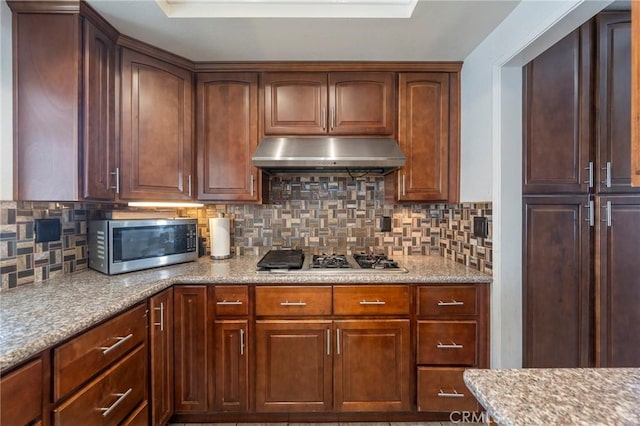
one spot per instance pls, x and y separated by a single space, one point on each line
321 155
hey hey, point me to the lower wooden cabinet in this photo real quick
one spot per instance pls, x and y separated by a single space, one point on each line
110 397
21 394
161 356
231 366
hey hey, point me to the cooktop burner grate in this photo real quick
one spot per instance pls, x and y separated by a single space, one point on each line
329 261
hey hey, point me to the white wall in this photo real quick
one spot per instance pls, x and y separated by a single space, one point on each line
491 135
6 105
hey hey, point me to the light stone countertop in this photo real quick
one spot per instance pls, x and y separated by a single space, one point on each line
558 396
37 316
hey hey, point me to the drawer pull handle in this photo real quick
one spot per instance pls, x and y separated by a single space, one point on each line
453 345
121 397
121 340
377 302
161 309
287 303
225 302
455 394
452 303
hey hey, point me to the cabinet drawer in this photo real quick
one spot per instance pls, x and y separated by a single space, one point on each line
447 300
293 301
77 360
371 300
447 342
232 300
139 417
443 390
21 395
110 397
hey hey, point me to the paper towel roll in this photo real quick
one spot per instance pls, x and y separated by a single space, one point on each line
220 238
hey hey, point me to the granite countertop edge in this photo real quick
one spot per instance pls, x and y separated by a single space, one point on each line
38 316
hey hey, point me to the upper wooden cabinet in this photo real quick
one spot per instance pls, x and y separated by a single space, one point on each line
64 129
635 94
428 135
156 144
338 103
227 123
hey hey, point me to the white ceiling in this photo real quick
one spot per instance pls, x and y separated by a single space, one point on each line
446 30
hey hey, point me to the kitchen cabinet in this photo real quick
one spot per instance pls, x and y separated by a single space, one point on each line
21 394
100 376
452 335
617 277
336 103
161 356
64 122
231 349
156 145
576 167
635 94
192 354
340 362
428 134
227 123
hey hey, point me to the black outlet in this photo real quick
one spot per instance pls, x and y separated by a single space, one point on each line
385 226
47 230
480 227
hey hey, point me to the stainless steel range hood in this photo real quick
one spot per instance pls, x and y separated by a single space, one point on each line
297 155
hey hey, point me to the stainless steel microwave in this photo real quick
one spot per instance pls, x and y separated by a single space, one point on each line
118 246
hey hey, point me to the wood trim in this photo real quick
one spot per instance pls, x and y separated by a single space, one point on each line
454 138
154 52
328 66
97 19
635 93
67 6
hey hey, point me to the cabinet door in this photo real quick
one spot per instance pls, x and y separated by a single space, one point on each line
371 370
618 282
21 394
293 366
156 155
557 116
227 120
423 136
98 139
161 356
362 103
556 282
191 371
614 102
232 366
295 103
635 95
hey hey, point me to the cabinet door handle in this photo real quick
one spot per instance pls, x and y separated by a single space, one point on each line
453 302
161 309
226 303
121 340
328 341
287 303
333 118
242 341
590 213
377 302
252 184
117 175
189 184
589 170
404 186
607 174
337 341
121 397
455 394
324 118
453 345
607 218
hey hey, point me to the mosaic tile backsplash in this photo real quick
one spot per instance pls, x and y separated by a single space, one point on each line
321 214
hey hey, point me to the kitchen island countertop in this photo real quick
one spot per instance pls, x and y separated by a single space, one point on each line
558 396
37 316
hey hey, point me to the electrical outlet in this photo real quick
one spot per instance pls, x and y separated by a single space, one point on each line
385 225
480 227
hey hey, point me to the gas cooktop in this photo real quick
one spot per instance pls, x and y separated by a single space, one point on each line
295 261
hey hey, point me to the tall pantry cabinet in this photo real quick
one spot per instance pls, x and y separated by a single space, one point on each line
581 217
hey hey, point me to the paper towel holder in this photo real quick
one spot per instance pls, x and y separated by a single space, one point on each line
219 230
